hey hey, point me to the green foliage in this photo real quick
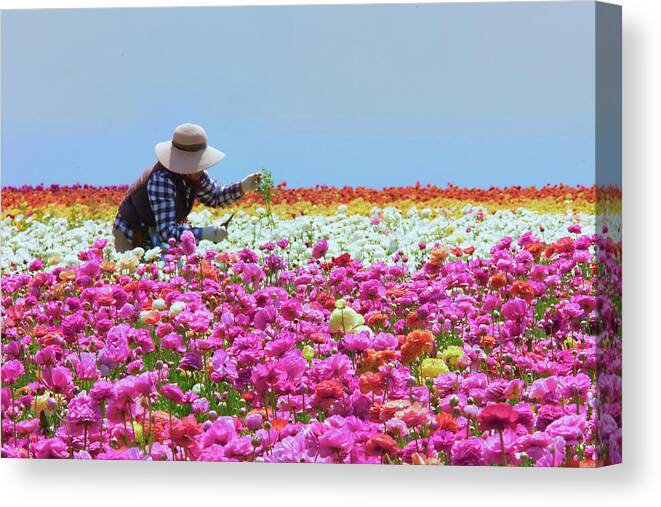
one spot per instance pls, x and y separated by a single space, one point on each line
265 189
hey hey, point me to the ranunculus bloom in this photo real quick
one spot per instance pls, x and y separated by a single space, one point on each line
329 390
320 249
417 343
498 416
11 371
515 309
378 445
372 382
173 393
335 442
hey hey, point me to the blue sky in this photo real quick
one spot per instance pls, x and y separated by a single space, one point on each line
471 94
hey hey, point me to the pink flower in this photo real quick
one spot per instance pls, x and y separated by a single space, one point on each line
468 452
291 310
51 448
83 411
11 371
498 416
116 349
320 249
173 393
515 309
90 268
335 442
58 379
187 243
220 432
572 428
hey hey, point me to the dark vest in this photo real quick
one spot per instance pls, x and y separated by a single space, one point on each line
135 207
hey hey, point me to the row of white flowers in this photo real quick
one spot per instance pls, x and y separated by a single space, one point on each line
370 239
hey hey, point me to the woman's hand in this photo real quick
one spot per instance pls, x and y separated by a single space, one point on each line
251 182
214 234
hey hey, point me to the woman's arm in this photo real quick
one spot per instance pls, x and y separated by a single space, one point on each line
214 195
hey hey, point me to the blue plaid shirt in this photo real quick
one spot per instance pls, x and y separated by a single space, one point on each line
162 191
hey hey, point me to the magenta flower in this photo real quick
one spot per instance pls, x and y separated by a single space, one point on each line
291 310
187 243
498 416
51 448
515 309
11 371
58 379
320 249
83 411
468 452
335 442
173 393
572 428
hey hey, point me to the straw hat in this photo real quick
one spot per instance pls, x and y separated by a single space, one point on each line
188 152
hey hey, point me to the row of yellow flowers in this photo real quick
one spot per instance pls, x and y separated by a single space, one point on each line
430 208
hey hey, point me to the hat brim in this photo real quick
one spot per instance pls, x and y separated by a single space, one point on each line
187 162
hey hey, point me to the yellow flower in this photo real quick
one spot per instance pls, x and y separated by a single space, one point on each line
44 403
308 352
432 367
139 433
345 319
452 354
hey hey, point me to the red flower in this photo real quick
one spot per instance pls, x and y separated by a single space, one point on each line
184 431
372 382
378 445
342 260
329 390
522 289
498 280
498 416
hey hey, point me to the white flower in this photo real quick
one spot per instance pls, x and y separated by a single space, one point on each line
177 307
159 304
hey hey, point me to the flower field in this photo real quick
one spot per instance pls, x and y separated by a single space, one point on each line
413 325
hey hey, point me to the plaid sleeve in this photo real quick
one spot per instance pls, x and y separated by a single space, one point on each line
214 195
162 192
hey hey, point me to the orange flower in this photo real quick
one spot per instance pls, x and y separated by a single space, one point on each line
396 292
535 249
208 270
152 318
418 459
67 275
105 300
447 422
161 421
414 416
131 286
487 342
185 430
376 320
388 410
417 343
438 255
376 358
372 382
379 445
498 281
108 267
522 289
413 320
279 424
329 390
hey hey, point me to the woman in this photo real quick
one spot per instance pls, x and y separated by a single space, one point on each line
157 204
